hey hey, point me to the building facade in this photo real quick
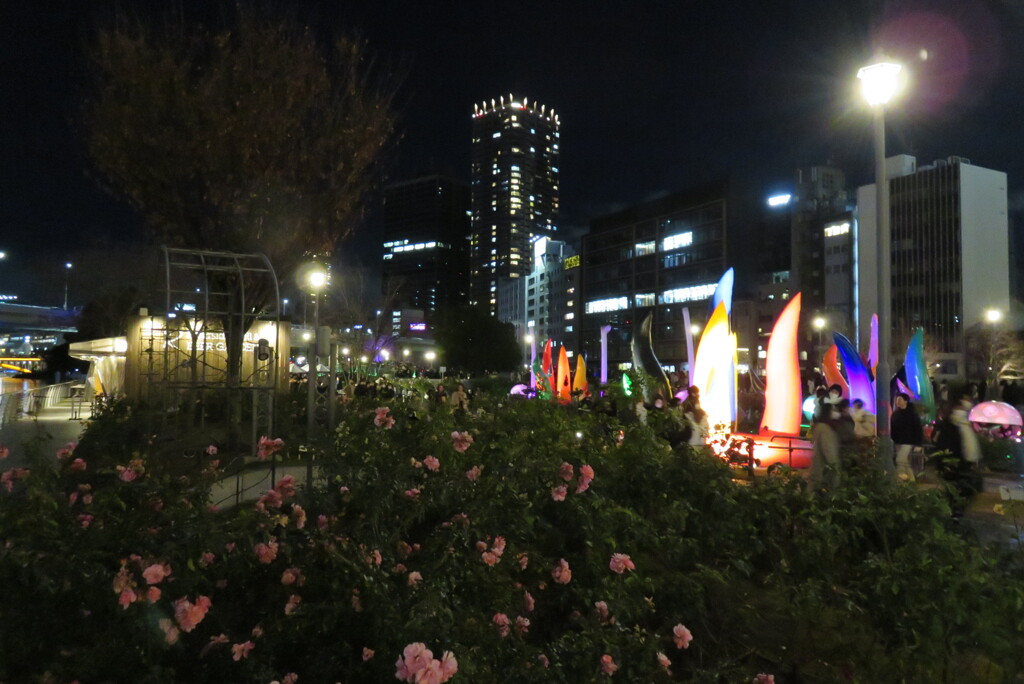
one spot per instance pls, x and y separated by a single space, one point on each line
949 251
514 191
425 262
654 257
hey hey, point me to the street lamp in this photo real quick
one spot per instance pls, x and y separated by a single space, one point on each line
313 278
879 82
67 277
993 315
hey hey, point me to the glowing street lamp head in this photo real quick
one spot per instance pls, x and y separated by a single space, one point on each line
879 82
430 356
345 351
819 323
311 277
406 352
528 339
317 279
993 315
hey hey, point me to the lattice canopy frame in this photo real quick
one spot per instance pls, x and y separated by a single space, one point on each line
216 302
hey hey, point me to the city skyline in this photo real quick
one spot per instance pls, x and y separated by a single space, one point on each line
653 98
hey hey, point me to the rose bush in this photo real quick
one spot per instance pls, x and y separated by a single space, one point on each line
650 565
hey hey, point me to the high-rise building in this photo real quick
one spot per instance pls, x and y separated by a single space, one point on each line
543 302
426 249
950 254
514 191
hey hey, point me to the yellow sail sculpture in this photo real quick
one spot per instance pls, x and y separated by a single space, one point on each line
714 369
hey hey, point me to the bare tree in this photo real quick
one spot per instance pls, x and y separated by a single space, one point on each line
995 354
252 138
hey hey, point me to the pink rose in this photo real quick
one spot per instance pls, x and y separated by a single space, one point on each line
127 474
382 419
473 473
286 487
763 678
66 450
266 447
561 572
664 662
620 562
293 602
266 552
608 665
412 494
240 651
290 678
415 657
528 602
206 559
85 520
414 578
432 464
321 522
503 624
522 624
461 441
211 450
586 477
299 515
367 654
602 611
490 558
499 546
171 633
524 560
153 594
682 636
78 465
156 573
558 493
543 660
189 614
127 597
292 576
449 665
565 471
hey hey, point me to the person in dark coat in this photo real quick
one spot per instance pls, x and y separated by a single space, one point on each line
906 435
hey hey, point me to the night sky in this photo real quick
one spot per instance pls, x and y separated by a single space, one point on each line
653 96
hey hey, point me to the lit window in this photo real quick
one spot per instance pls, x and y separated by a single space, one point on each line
676 241
687 294
606 305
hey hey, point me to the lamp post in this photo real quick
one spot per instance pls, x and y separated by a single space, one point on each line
819 324
879 82
67 278
314 279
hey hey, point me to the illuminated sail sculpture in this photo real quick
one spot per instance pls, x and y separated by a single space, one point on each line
782 371
579 381
723 292
917 374
861 385
873 346
714 371
563 376
645 360
832 374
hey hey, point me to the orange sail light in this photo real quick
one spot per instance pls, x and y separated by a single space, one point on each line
782 370
830 364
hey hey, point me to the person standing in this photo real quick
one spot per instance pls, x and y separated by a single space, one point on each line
459 400
970 448
906 435
863 421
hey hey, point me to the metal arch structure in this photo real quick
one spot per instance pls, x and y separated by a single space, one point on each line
220 331
207 295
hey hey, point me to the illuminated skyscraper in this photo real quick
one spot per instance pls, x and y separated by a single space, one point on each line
514 193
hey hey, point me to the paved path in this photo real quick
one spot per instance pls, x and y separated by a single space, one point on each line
51 429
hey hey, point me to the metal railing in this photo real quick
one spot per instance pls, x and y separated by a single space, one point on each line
27 404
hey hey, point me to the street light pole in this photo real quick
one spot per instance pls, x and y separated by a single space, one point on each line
67 278
880 82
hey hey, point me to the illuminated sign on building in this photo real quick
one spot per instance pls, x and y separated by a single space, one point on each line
418 326
779 200
835 229
571 262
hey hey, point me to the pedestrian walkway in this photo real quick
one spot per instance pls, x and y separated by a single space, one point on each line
51 428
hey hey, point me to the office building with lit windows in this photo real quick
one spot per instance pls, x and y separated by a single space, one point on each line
425 260
514 191
659 257
542 304
949 251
